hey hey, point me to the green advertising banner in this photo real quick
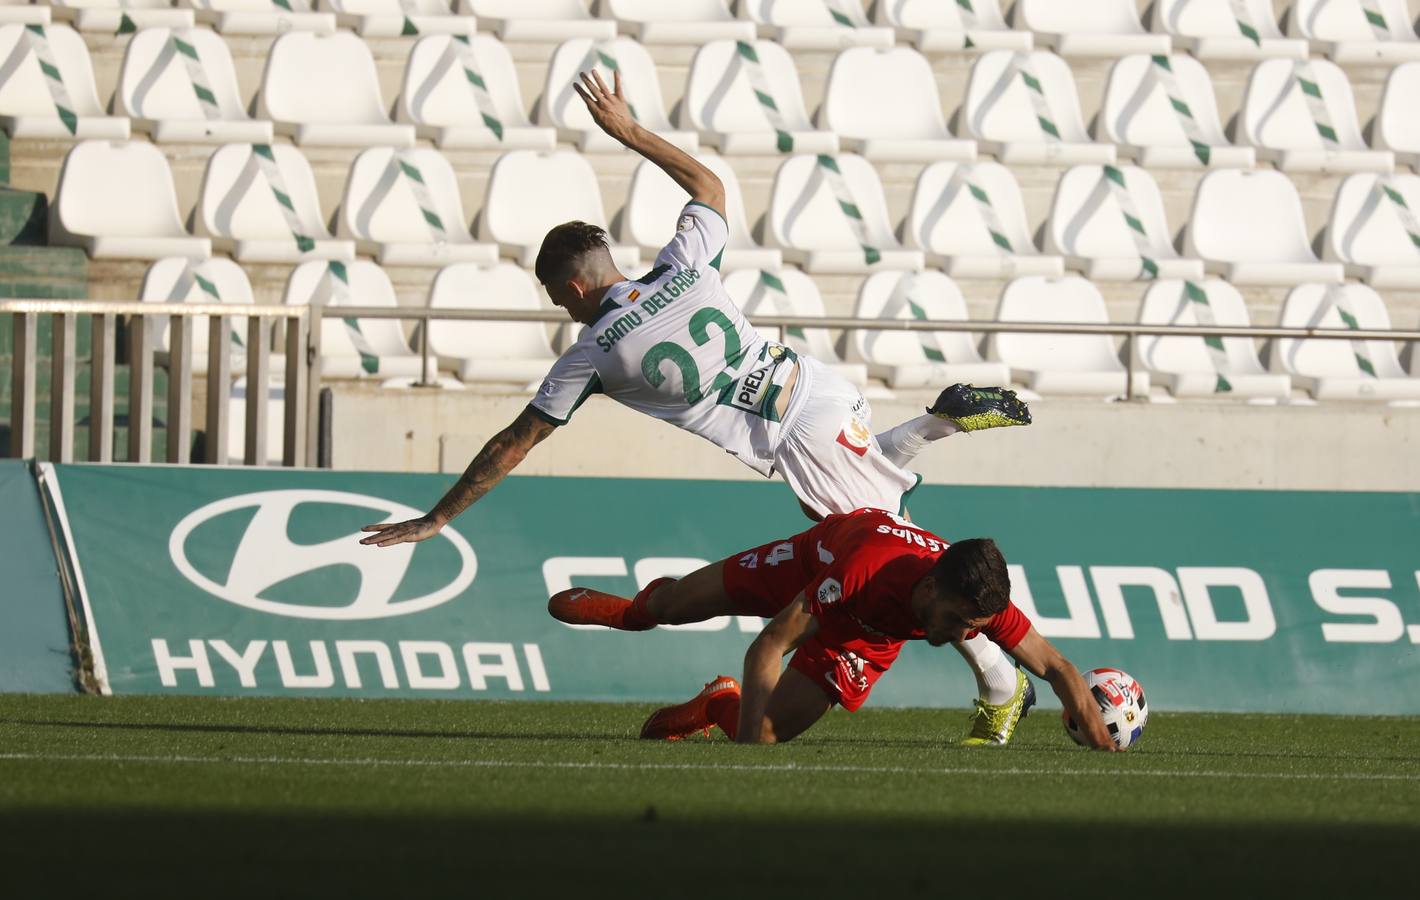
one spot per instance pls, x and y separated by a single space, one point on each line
34 633
248 581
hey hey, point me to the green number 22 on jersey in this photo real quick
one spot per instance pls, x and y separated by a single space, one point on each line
678 356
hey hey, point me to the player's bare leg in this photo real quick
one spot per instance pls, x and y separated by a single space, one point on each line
666 601
796 704
959 408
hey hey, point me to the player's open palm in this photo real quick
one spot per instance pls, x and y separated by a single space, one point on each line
608 106
390 533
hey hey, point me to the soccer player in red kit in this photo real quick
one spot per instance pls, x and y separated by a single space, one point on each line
843 597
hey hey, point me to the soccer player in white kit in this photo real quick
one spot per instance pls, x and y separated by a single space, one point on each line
673 345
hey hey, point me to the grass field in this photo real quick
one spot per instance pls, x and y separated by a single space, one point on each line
196 797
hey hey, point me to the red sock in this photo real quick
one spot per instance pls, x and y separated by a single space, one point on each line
725 712
637 615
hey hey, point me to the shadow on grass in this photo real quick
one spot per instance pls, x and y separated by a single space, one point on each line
682 853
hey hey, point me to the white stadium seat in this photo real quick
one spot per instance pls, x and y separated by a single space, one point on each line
1212 29
1337 369
723 101
1096 28
884 104
1191 367
403 207
1302 115
530 192
653 206
1397 127
789 292
1139 114
681 22
936 27
815 24
239 206
516 352
829 215
23 12
34 106
263 16
178 279
971 221
916 359
1023 108
323 89
561 107
157 90
399 18
116 200
108 15
1114 230
352 348
1375 230
1249 228
539 20
1345 31
1061 363
442 99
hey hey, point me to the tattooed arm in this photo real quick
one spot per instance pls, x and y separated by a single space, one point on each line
498 457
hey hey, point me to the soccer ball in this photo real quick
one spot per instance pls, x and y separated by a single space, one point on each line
1121 702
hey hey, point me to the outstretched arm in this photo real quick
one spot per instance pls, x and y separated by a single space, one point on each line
784 633
498 457
1040 657
612 114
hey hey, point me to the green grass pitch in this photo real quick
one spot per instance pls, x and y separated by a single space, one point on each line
199 797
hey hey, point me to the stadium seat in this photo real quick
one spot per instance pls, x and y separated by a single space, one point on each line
1249 228
829 215
1357 31
884 104
561 107
263 16
178 279
1193 366
815 24
116 200
23 12
403 207
1160 111
681 22
935 27
1108 222
399 18
745 98
165 72
1097 28
918 359
258 202
1212 29
1337 369
1061 363
489 351
323 89
789 292
1375 230
463 92
1397 128
971 221
352 348
35 105
530 192
653 206
1023 108
539 20
115 16
1302 116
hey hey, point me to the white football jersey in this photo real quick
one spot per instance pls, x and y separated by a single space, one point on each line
673 345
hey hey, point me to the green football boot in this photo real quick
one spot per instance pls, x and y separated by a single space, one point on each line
975 409
992 725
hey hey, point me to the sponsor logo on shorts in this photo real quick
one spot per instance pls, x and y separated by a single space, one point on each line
855 436
851 667
830 591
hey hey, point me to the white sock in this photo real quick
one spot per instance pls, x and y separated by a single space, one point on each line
995 676
902 443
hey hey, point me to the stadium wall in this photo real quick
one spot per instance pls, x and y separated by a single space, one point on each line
251 582
34 633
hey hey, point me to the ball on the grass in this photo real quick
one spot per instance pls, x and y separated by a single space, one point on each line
1121 704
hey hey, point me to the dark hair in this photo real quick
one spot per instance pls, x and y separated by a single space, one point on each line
563 246
975 570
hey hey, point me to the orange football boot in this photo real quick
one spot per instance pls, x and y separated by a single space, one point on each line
584 606
672 723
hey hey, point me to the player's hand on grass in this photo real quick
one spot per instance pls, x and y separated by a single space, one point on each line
608 106
390 533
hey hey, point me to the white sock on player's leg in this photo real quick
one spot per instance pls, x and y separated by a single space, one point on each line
903 442
995 676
